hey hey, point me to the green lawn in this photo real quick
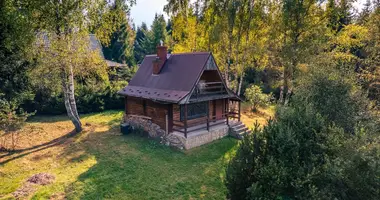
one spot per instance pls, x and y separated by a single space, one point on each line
99 163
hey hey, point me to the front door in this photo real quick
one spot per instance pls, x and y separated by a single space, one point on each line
214 109
218 109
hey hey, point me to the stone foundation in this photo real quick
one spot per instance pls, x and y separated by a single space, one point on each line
198 138
177 139
146 125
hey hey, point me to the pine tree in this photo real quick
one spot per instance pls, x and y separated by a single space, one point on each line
140 48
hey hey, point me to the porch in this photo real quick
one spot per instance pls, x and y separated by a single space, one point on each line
200 129
199 135
228 115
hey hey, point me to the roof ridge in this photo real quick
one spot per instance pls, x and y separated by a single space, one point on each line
185 53
192 53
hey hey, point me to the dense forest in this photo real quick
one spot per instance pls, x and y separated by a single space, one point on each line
318 61
267 43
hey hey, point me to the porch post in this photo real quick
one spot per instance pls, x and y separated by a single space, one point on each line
228 110
170 118
126 105
208 117
239 110
185 120
126 109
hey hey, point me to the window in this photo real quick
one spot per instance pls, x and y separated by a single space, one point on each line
194 110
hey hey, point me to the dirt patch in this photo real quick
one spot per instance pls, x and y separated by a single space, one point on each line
41 179
58 196
25 190
29 186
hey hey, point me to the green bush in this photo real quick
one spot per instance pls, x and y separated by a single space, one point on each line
322 146
12 120
299 156
90 97
335 96
256 97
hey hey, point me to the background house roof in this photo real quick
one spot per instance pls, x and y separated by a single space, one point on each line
96 45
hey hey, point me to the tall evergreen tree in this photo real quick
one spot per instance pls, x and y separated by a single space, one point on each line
158 32
140 43
16 37
121 47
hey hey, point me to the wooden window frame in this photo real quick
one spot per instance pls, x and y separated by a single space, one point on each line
192 113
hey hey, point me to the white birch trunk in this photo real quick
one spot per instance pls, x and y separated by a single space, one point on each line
227 71
287 97
281 98
240 83
72 95
70 113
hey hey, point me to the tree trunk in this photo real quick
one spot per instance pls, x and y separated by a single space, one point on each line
240 83
244 60
227 71
289 78
287 97
281 97
69 110
72 95
237 63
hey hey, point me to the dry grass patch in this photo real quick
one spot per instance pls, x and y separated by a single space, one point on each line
249 118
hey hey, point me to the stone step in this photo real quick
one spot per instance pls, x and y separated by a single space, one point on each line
241 129
238 127
238 130
236 123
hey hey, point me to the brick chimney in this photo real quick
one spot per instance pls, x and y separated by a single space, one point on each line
158 63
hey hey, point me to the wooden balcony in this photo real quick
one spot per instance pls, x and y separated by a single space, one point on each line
209 88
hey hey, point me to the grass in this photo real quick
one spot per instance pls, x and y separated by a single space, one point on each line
261 116
100 163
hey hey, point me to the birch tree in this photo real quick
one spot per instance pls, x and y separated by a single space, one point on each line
65 26
60 58
299 23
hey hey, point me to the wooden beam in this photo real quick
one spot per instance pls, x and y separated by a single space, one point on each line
141 116
126 105
185 119
170 117
144 106
228 110
208 115
208 124
239 110
167 124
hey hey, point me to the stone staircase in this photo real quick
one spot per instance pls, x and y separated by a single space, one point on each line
238 129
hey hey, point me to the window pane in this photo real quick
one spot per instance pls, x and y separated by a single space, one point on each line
194 110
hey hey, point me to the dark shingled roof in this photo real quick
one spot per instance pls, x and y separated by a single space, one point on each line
96 45
175 80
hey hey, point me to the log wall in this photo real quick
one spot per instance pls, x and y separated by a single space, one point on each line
219 111
157 111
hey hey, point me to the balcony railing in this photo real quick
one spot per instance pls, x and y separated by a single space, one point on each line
209 88
209 121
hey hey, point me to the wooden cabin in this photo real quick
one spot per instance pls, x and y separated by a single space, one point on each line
181 92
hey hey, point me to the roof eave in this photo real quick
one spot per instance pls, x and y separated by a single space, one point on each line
153 99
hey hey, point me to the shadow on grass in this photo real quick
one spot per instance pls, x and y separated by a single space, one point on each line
134 167
63 117
19 153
